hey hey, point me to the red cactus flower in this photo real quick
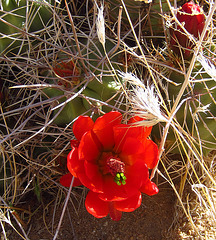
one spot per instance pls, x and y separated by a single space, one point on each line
112 160
192 18
69 71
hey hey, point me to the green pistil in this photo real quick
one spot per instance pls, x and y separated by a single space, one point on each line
120 179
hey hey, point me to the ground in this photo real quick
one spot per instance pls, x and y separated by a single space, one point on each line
154 220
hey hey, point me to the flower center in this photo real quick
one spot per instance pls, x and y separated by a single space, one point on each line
117 168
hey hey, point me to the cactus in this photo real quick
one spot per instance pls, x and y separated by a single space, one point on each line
18 17
196 115
133 8
103 87
156 17
71 110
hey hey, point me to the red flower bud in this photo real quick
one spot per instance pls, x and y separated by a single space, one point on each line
69 71
192 18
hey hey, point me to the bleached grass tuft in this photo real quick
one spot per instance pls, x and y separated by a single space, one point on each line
100 25
144 101
207 65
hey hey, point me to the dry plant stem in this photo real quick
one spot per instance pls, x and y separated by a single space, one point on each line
18 128
39 131
103 103
44 216
3 230
14 161
208 196
76 39
115 48
25 33
143 55
71 98
178 196
21 109
184 85
8 221
118 30
64 209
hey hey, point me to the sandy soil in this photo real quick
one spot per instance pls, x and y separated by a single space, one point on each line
152 221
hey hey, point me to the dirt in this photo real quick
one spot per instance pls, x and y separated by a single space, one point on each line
153 220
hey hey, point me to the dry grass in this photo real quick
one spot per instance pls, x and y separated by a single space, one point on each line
33 143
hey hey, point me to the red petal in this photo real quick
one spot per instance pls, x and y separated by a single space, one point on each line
151 154
112 191
103 128
86 181
114 213
96 206
129 204
94 175
74 143
73 162
76 168
89 148
145 130
132 151
66 179
82 125
149 188
136 175
124 131
135 119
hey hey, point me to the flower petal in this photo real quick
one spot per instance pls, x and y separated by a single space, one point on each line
132 151
114 213
95 206
74 143
136 175
86 181
112 191
76 168
145 130
73 163
89 148
124 131
66 179
103 128
81 126
151 154
130 204
95 177
149 188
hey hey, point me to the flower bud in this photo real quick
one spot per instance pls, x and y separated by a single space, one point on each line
192 18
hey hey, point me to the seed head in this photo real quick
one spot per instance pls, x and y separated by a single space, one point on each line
100 26
144 100
207 65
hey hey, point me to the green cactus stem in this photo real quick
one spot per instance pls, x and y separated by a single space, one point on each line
71 110
18 17
197 114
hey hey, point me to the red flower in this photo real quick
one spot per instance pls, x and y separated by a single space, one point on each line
69 73
191 16
112 160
